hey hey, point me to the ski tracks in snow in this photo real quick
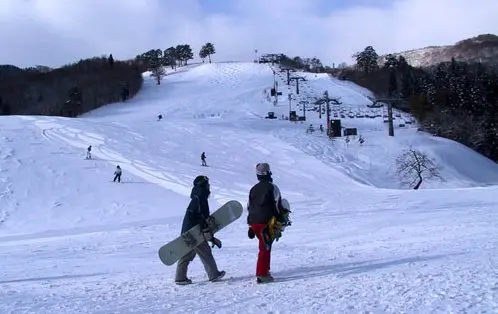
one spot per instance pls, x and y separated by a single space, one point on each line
10 162
101 148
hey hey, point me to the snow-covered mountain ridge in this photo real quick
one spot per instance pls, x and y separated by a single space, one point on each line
482 48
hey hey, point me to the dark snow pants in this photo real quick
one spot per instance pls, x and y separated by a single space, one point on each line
264 255
117 177
207 259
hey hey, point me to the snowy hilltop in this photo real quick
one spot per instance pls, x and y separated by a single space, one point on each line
74 241
482 49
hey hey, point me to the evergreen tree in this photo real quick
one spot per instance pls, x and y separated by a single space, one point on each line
5 108
207 51
402 63
456 86
202 55
367 60
391 61
170 57
184 53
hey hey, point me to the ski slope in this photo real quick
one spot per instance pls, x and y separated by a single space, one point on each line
72 241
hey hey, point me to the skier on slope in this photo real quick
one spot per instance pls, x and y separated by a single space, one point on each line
203 159
117 174
263 206
196 214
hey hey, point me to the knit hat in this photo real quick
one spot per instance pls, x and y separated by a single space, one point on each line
263 169
201 181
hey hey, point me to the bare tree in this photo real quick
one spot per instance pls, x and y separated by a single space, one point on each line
413 167
158 73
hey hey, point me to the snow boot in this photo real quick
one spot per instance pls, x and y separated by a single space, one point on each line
220 275
183 282
265 279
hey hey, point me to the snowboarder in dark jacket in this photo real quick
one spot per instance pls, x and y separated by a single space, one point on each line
203 159
264 204
196 214
89 152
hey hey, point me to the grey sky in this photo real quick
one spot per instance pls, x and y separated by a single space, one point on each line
57 32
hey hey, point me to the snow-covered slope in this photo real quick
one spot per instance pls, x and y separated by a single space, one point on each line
73 241
373 163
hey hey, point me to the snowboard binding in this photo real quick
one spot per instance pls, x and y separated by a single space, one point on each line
207 233
278 224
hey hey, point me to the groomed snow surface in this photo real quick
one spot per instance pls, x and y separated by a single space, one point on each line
72 241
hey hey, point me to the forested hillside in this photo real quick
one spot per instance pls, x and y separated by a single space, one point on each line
69 90
88 84
457 100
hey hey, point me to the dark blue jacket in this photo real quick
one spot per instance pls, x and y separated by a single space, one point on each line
198 209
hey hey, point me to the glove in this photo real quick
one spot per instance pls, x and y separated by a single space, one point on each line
207 234
203 223
250 233
215 241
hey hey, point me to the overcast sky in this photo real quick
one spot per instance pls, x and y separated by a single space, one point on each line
57 32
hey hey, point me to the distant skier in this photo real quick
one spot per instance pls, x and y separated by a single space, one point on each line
203 159
117 174
263 206
197 212
89 152
159 117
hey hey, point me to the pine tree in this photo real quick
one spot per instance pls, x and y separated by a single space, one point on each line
419 106
202 54
184 53
367 60
402 63
490 148
391 61
206 51
170 57
456 86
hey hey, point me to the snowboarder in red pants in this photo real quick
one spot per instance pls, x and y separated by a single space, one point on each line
264 204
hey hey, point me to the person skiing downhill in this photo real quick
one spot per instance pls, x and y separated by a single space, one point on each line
117 174
263 205
196 214
203 159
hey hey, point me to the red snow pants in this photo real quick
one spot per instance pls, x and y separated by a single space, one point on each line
263 264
